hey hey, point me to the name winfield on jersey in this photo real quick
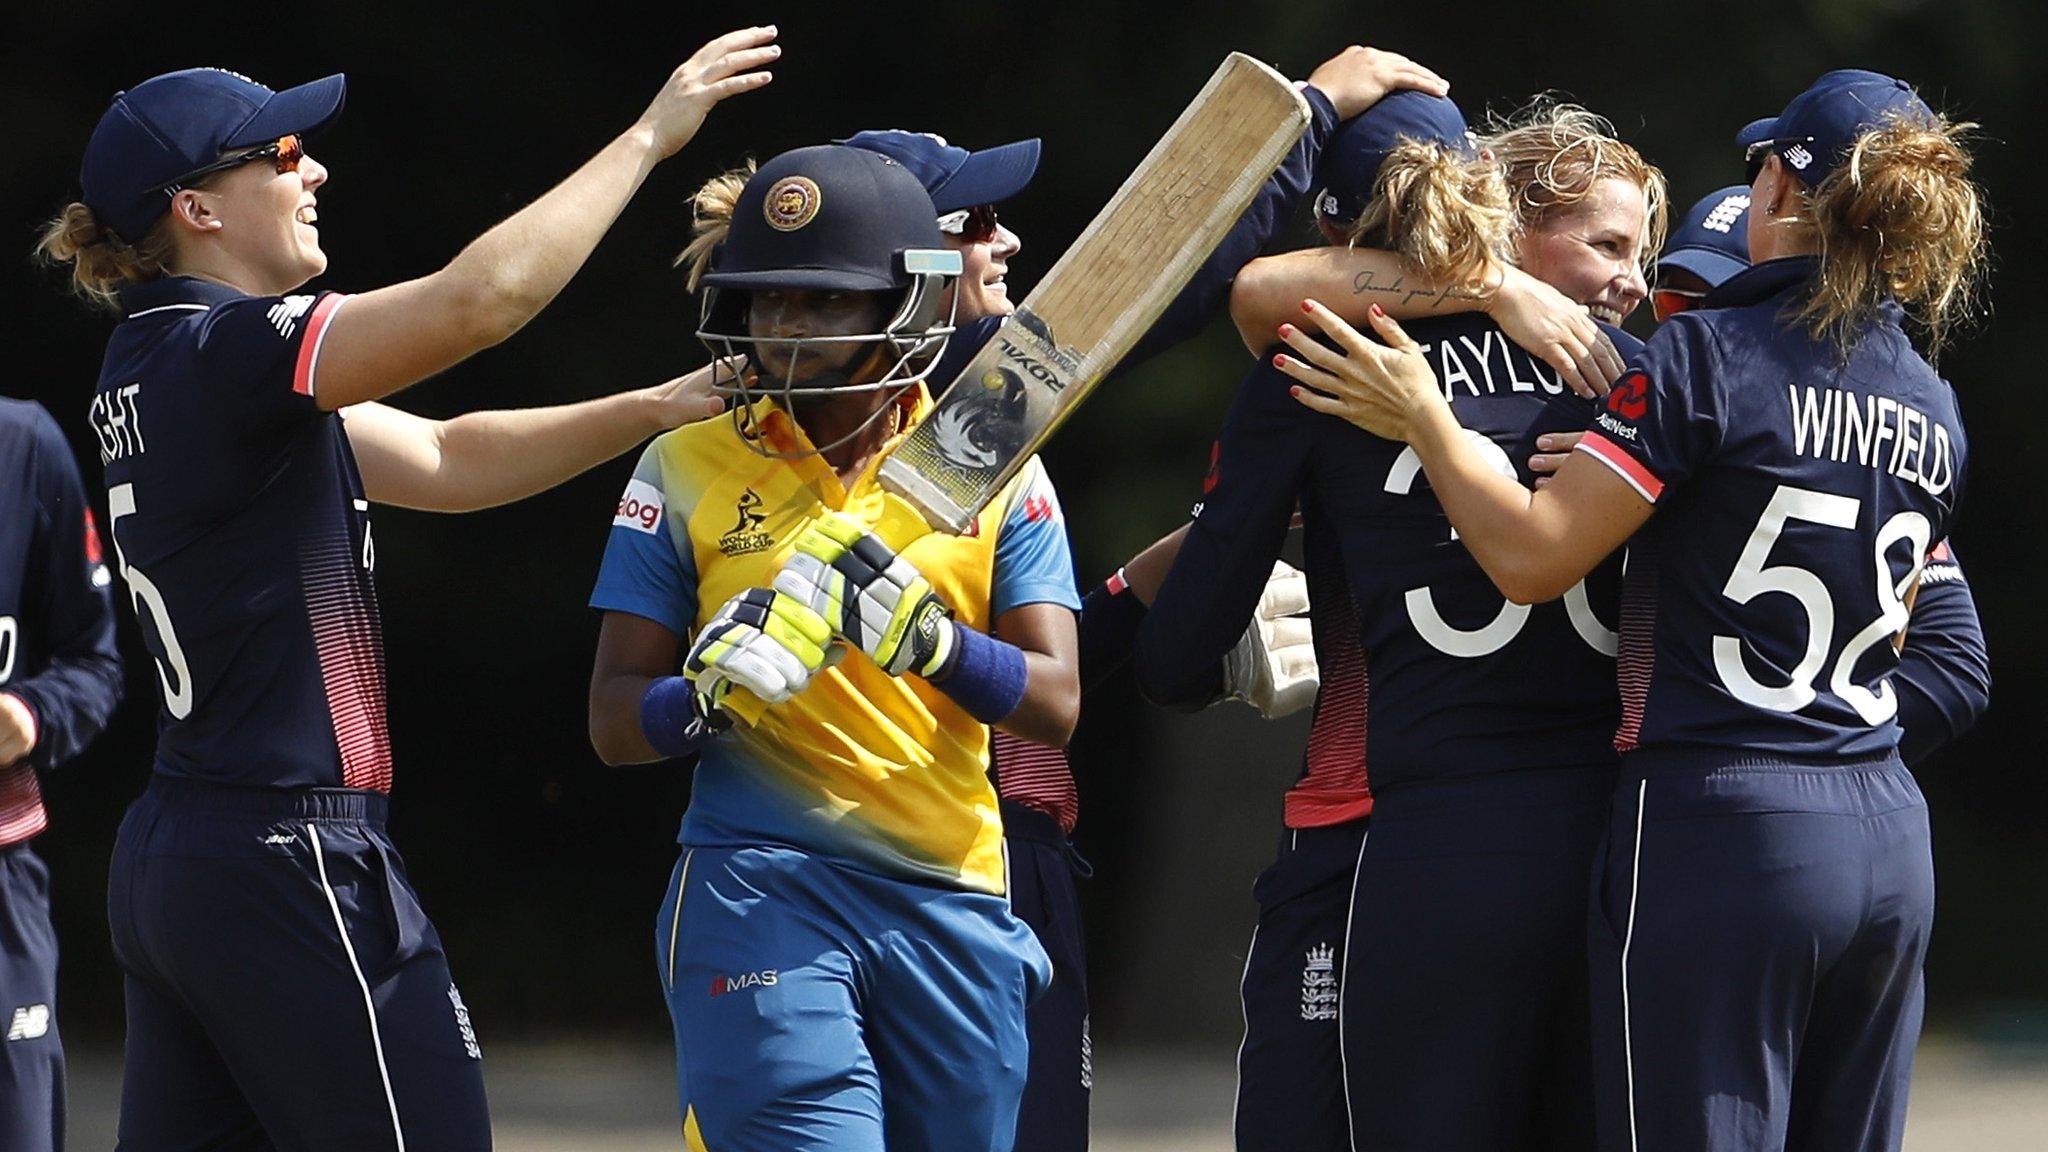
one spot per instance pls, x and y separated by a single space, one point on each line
1875 431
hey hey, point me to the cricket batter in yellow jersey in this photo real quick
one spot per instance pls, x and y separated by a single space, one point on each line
836 946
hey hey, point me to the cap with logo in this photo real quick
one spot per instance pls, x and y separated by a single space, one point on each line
1713 240
955 177
828 218
1351 161
1816 131
180 122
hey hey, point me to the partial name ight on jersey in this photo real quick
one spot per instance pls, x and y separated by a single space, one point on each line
1874 431
116 420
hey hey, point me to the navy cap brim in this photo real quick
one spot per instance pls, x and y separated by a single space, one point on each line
802 279
1756 130
1714 267
304 110
989 176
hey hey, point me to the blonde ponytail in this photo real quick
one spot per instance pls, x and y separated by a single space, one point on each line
1899 219
710 219
1446 214
101 264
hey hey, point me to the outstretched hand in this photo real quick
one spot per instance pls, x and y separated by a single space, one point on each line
689 398
1383 388
722 68
1356 78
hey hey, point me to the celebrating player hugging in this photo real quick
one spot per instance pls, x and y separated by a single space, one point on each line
1604 835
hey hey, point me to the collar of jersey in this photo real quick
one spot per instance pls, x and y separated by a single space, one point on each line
1760 282
783 434
175 290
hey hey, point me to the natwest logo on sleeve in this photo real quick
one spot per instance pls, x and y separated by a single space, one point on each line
1630 399
640 508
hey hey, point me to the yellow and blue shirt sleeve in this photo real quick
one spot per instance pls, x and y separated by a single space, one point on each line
647 570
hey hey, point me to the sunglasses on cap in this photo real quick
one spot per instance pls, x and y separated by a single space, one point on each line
286 151
1753 156
1668 302
976 225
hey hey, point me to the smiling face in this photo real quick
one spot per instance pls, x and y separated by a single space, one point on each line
264 223
1592 251
982 289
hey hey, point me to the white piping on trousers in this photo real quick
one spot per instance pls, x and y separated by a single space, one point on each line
369 1002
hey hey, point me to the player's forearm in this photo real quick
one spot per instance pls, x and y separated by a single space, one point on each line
512 271
1527 549
1269 290
496 457
615 731
1051 705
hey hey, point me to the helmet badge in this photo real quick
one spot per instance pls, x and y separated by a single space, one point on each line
792 203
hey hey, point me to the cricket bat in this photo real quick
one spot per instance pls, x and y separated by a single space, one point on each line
1096 302
1102 295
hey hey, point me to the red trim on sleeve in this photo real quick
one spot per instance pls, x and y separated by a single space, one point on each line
1116 583
309 348
1626 466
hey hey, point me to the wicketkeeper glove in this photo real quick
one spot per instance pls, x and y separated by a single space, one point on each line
872 597
760 640
1273 667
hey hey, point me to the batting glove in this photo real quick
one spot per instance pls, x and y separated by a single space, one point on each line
872 597
762 641
1273 666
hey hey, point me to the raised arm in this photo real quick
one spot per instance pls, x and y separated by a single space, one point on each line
1350 281
484 459
387 339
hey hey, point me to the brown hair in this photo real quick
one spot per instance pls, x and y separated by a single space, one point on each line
1447 215
1556 153
710 219
1899 219
102 263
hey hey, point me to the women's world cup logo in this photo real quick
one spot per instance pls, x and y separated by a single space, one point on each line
792 203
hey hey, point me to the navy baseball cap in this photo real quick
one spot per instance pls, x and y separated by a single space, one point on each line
1713 241
1816 131
830 218
955 177
180 122
1351 160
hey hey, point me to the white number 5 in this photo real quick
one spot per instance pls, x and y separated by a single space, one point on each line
1752 578
170 663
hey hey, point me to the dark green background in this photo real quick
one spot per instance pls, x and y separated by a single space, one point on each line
542 867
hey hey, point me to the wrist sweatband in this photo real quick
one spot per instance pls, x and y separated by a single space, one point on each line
1110 617
670 720
984 675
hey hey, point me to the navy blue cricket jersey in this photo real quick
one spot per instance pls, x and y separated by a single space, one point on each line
56 620
1455 680
1798 494
242 532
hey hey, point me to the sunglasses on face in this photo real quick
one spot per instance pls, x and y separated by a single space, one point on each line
1669 302
286 152
976 225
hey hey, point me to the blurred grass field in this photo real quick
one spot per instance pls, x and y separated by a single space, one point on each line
1966 1098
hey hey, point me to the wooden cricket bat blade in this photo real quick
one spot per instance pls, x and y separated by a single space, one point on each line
1102 295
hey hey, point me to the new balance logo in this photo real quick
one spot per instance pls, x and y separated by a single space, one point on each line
30 1023
1726 213
722 985
1319 984
284 315
1799 156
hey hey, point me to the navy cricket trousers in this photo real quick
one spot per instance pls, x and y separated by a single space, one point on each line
284 989
31 1054
1043 870
1464 1010
1290 1074
1756 954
